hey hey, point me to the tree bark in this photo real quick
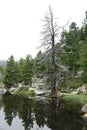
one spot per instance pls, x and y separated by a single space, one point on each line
54 76
50 32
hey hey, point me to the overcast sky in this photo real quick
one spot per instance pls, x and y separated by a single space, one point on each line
20 23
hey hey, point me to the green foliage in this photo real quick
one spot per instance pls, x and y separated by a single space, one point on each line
11 73
73 83
71 53
27 70
39 67
20 68
30 93
24 91
21 89
80 99
82 61
74 54
2 72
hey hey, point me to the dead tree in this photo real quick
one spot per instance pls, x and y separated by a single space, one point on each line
50 32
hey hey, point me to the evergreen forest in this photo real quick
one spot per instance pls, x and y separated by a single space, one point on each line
71 60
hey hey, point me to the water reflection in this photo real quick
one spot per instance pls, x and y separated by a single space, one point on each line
40 115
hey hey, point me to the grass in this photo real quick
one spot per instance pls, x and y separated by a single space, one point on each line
80 99
24 91
29 93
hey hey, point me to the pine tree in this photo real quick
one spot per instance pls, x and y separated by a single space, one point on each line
11 76
28 70
20 70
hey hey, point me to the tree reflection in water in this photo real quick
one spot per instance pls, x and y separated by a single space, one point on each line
43 113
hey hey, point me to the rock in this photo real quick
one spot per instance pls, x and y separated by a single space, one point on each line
59 94
12 89
38 83
81 41
84 109
79 90
82 89
40 93
79 74
85 117
32 89
4 91
20 85
74 92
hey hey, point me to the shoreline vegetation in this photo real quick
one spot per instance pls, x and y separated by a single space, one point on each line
70 97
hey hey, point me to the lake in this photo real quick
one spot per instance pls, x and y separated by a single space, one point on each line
19 113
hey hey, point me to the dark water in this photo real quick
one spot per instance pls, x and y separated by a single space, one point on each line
18 113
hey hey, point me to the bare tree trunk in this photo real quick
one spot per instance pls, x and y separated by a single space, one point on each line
53 80
49 34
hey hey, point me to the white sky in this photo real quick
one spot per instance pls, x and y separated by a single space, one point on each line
20 23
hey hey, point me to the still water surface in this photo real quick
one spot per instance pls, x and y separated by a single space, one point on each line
18 113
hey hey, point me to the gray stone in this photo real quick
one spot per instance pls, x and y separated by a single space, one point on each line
38 83
84 118
84 109
12 89
79 74
82 89
74 92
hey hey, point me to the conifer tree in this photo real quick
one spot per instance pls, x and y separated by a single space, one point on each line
11 76
28 70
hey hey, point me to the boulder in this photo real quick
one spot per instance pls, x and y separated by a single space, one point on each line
38 82
82 89
40 93
74 92
84 117
4 91
79 74
12 89
84 109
